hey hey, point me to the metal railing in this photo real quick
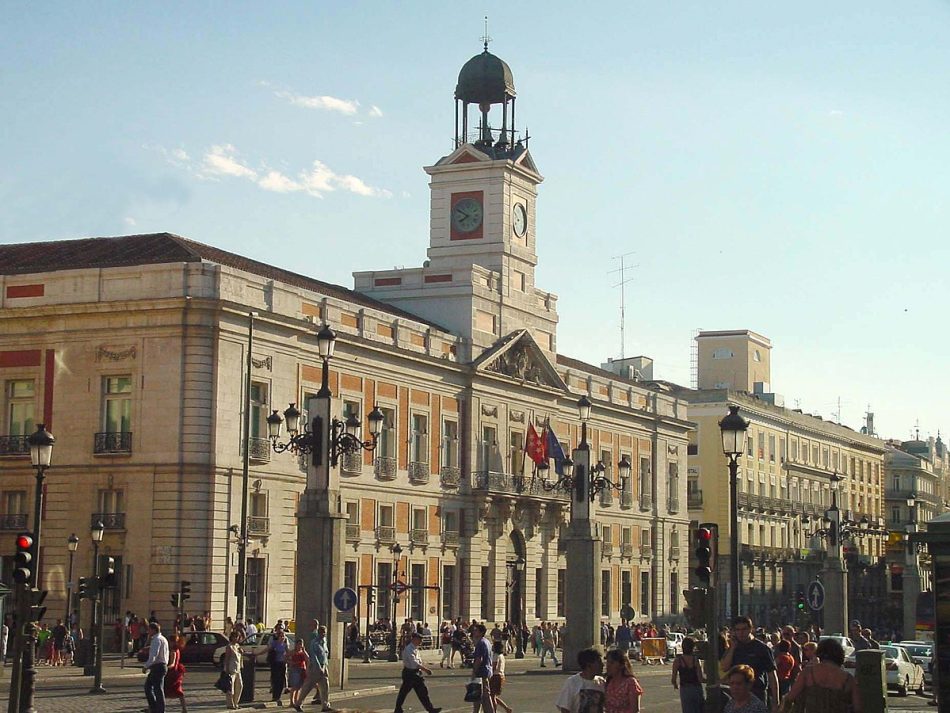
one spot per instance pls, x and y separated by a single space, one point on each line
673 505
607 550
418 472
450 476
694 498
259 449
14 446
606 497
351 464
450 538
646 551
493 482
386 468
353 532
112 442
419 536
626 499
674 553
386 534
646 501
627 550
15 521
111 520
258 525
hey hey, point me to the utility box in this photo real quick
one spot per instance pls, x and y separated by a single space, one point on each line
937 539
871 680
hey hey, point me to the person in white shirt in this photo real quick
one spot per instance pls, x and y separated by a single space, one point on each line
156 667
251 627
584 692
412 680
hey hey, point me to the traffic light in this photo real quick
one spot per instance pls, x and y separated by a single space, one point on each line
370 596
703 539
107 578
37 610
800 601
185 590
23 560
695 609
88 588
176 600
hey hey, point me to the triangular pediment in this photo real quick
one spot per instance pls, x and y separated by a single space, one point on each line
519 358
466 153
526 161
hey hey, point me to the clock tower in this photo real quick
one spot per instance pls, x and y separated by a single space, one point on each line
478 280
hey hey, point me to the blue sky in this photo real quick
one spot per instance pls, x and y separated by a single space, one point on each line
776 168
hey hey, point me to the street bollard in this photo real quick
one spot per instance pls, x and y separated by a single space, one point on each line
872 680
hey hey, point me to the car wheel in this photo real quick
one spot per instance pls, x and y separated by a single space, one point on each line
902 689
920 689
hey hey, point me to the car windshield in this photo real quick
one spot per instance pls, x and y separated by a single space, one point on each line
917 650
891 652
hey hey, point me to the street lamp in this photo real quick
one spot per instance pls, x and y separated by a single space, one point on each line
733 429
393 641
97 532
517 586
72 544
344 435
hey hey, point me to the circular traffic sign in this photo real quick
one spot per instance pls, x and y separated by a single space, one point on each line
345 599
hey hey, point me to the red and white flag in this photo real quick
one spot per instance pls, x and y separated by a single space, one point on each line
534 446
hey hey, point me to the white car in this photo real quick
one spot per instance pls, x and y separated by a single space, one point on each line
845 642
921 652
256 646
903 673
674 643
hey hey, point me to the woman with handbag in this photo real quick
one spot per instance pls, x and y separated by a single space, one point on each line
175 675
277 660
231 682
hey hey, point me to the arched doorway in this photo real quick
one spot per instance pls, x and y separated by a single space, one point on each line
515 584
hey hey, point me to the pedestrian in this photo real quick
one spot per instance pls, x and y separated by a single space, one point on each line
584 691
175 676
740 679
482 670
809 654
297 673
497 680
277 660
744 649
228 627
445 641
825 686
156 667
233 658
624 636
623 691
784 667
317 672
412 679
687 668
548 643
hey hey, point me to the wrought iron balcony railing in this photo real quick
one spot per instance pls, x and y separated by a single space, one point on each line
14 446
646 501
419 536
386 468
451 476
418 472
674 553
646 551
450 538
14 521
626 499
627 550
386 534
112 442
259 449
351 463
111 520
258 525
673 505
694 498
607 550
353 532
493 482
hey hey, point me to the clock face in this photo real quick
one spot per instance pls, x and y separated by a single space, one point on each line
519 219
467 215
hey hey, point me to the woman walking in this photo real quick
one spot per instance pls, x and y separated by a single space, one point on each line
497 680
688 669
277 660
233 656
740 680
623 691
825 686
175 676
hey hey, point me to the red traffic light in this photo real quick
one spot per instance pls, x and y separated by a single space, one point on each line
24 542
704 534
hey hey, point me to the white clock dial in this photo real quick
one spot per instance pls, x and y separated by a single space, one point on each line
519 219
467 215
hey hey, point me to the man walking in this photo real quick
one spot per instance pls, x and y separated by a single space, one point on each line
548 643
412 680
156 667
746 649
317 673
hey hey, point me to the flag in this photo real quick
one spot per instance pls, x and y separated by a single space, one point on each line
553 449
534 446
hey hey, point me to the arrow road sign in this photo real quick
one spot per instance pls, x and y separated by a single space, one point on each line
345 599
815 595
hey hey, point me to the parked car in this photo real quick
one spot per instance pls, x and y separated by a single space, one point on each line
674 643
256 646
845 642
200 647
903 673
922 653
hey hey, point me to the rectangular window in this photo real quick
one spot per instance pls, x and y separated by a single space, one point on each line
384 578
349 574
824 457
794 453
749 448
561 583
538 592
625 481
14 502
605 592
257 504
626 538
450 520
645 537
448 592
674 592
516 453
255 588
761 451
897 482
417 595
781 450
385 516
486 587
645 593
386 447
351 407
626 588
488 450
771 448
519 280
117 404
450 443
419 519
419 439
646 483
353 512
111 501
21 398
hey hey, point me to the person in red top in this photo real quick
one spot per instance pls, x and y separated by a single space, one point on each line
298 661
175 677
623 690
784 667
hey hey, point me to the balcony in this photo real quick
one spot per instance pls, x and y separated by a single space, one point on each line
259 449
450 538
646 501
385 468
14 446
606 497
626 499
111 520
646 551
627 550
418 536
105 443
607 550
351 464
258 526
694 499
505 484
386 534
674 553
450 476
352 532
673 505
418 472
15 521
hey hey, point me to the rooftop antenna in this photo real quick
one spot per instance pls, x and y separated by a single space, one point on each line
694 358
486 38
917 430
623 316
837 414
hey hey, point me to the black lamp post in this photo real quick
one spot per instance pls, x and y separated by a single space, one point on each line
733 428
97 532
393 640
517 602
72 544
41 452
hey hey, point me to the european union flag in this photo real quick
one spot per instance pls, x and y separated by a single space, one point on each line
554 449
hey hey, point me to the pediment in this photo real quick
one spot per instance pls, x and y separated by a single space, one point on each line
519 358
466 153
526 161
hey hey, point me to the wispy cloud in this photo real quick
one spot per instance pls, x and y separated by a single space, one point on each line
326 103
375 112
129 221
222 160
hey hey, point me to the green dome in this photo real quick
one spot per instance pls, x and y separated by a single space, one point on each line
485 79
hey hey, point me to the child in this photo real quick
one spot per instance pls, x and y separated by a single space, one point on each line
298 661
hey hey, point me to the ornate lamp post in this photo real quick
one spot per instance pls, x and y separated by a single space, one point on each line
72 544
97 532
393 637
517 602
733 429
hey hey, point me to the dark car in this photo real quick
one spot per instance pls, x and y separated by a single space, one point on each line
199 647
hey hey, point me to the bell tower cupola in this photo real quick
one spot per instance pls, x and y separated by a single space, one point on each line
485 82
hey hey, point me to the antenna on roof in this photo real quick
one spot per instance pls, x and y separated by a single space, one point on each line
623 316
694 358
486 38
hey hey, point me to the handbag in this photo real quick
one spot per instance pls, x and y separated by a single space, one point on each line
223 683
473 691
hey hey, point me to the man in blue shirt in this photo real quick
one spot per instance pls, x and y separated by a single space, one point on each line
317 673
482 669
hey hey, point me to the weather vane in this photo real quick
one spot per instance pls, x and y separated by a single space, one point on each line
486 38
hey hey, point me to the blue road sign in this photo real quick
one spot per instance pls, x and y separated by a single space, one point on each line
345 599
815 595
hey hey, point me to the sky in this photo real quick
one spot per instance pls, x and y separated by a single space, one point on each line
779 167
